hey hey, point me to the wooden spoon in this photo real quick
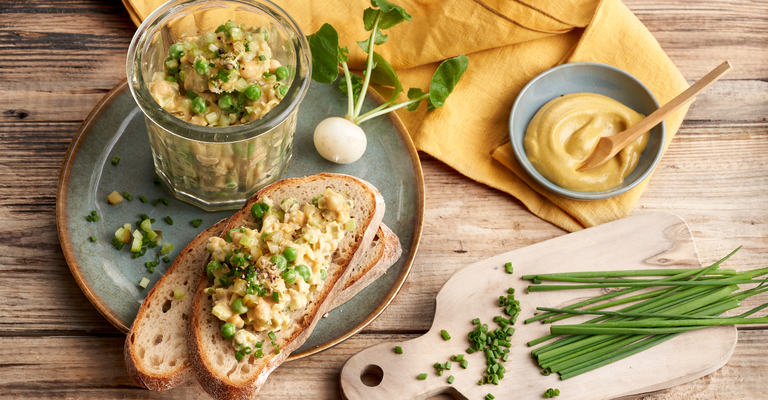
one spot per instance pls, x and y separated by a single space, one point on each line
608 146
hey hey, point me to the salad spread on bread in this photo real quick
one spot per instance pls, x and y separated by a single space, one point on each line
271 266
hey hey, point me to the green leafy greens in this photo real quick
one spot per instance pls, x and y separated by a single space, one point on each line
327 56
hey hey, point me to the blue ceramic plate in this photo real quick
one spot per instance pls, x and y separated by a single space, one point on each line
110 278
592 78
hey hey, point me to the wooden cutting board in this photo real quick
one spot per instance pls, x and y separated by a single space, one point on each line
651 240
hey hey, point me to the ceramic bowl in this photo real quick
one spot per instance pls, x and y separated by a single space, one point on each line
593 78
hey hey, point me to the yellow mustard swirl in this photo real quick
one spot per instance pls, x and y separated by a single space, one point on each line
564 133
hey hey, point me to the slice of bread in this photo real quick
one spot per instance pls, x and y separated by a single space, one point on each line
383 251
156 346
164 365
213 357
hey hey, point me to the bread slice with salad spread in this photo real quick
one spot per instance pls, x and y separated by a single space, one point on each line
155 348
156 352
277 268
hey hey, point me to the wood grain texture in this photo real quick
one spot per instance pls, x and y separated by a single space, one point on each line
58 59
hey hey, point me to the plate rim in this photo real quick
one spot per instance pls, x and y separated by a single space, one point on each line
75 268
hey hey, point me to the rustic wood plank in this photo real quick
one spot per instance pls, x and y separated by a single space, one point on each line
699 35
90 368
58 60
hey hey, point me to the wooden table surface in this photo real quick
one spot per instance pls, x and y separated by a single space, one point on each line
59 58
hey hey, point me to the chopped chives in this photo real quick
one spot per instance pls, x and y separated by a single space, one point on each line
422 377
89 218
115 160
277 349
156 180
166 259
465 363
144 216
169 220
489 396
450 379
165 201
398 350
157 202
445 335
276 297
143 199
197 222
128 196
272 335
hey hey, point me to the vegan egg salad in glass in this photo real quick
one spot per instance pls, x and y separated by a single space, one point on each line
269 267
221 78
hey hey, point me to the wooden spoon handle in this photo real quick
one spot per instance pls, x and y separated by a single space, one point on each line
621 140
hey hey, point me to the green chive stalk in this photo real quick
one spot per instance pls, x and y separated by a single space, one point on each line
685 300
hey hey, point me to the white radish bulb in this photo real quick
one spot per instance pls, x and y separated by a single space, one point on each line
340 140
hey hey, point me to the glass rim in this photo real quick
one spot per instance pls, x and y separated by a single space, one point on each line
157 115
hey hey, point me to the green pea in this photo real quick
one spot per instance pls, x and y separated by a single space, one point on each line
228 330
176 51
226 103
257 210
212 266
323 274
304 271
201 66
238 307
253 92
282 90
172 65
198 105
290 254
170 79
281 72
279 261
289 275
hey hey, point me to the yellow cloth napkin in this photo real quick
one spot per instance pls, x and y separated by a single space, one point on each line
508 44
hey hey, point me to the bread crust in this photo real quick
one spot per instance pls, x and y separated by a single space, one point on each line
215 376
138 366
386 251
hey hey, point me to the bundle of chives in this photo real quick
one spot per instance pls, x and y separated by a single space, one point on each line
685 300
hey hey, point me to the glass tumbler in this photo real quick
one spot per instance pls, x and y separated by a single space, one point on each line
218 168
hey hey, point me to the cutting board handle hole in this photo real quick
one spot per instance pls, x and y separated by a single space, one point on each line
372 375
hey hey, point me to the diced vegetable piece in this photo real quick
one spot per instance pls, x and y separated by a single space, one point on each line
144 282
146 225
136 245
119 234
114 198
115 160
179 293
151 235
350 225
197 222
167 248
